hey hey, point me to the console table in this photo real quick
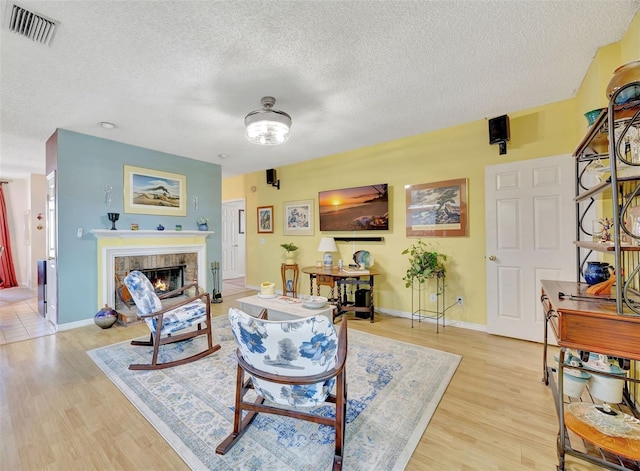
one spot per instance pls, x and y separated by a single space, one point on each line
342 278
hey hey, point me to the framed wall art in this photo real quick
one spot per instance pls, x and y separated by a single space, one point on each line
149 191
361 208
437 209
265 219
298 217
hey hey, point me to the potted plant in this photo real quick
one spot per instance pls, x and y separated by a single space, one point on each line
290 252
424 263
203 223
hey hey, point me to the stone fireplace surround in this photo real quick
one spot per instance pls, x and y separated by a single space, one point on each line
157 248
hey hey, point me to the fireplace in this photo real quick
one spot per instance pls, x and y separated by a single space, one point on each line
166 272
165 279
122 251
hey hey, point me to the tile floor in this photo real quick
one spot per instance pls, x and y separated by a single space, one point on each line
21 321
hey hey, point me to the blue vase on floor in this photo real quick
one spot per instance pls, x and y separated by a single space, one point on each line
596 272
105 317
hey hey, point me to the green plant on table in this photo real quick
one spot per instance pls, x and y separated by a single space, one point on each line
289 247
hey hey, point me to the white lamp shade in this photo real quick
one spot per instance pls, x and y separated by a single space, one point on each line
327 244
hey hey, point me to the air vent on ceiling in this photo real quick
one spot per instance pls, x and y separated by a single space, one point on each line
30 24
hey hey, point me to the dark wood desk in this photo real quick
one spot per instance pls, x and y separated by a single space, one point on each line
342 278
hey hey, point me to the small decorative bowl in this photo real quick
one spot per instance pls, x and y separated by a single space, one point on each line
593 115
314 302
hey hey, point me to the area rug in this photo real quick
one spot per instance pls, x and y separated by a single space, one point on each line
14 295
393 390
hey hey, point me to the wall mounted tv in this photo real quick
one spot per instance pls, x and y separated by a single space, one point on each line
362 208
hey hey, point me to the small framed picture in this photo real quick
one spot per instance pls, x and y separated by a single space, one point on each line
265 219
134 227
298 217
178 227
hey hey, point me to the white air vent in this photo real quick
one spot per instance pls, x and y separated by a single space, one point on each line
30 24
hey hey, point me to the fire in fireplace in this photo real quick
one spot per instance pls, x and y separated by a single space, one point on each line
165 279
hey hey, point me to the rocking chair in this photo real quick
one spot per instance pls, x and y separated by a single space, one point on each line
165 322
294 364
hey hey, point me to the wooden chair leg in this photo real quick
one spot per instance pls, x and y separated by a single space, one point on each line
157 342
341 418
145 343
239 425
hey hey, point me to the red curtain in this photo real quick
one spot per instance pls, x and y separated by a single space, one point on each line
7 272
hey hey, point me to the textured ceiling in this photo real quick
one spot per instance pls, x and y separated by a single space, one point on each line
179 76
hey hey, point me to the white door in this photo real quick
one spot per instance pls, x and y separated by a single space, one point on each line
233 239
530 228
52 250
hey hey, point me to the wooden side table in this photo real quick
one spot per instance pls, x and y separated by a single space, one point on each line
283 270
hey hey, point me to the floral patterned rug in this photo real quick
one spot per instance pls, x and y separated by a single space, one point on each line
393 390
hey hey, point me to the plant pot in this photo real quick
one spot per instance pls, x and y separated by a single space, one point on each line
203 227
291 258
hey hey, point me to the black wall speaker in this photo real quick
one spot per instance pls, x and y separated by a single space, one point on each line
499 129
271 176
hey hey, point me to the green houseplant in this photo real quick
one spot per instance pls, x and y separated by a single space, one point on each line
290 252
424 263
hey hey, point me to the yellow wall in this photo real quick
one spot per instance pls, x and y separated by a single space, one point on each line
457 152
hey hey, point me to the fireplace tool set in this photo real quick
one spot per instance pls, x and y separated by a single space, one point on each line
216 295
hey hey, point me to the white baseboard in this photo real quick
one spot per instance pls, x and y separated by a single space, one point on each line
448 321
76 324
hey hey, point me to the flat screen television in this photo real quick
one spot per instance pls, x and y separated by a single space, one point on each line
361 208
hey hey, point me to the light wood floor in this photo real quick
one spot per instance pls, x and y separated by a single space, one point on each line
59 412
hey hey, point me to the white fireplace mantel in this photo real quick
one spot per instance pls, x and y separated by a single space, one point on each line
124 243
127 234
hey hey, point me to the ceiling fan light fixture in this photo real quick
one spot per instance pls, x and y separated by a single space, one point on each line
267 127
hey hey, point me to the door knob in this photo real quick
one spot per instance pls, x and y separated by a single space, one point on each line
492 258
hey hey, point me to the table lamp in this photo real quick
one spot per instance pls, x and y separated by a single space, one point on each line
327 245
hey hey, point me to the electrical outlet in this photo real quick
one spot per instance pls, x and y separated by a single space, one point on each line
433 297
460 300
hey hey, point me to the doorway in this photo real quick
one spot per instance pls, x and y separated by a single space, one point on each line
233 239
530 228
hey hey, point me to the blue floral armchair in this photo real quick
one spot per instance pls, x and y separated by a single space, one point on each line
294 365
164 323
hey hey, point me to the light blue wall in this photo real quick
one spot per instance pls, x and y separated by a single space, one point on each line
85 165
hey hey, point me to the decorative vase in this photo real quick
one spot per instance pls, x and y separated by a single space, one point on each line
203 227
596 272
623 75
113 217
291 258
105 317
